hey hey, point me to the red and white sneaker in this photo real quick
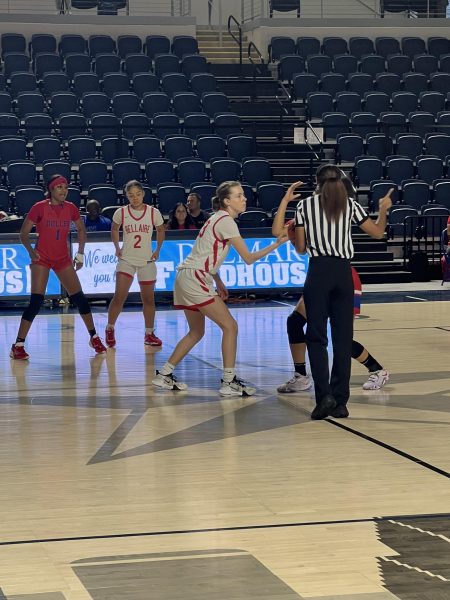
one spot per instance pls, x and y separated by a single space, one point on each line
96 343
18 352
110 338
152 340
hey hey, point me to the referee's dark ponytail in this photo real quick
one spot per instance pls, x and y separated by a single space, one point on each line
332 190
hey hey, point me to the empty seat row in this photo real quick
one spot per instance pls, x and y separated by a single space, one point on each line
396 168
129 125
363 83
47 62
82 83
418 193
389 123
98 44
433 151
156 171
377 103
121 103
142 148
357 46
318 64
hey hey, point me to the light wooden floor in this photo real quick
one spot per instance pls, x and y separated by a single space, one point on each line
112 490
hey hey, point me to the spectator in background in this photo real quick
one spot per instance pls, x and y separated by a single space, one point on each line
179 218
93 220
197 214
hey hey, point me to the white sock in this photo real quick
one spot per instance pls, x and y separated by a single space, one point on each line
149 329
109 326
228 375
167 369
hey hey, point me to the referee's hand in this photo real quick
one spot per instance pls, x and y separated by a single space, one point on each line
386 202
290 194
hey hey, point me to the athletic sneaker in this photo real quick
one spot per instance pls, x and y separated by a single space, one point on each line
96 343
168 382
376 380
110 338
152 340
236 388
297 383
18 352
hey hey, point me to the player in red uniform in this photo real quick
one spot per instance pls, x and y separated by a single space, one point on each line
53 217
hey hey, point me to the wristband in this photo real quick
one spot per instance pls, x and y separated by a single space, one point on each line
79 258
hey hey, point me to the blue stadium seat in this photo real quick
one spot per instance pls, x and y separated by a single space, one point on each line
22 82
55 82
106 63
77 63
440 82
113 83
432 102
193 63
425 63
166 63
5 102
289 65
177 147
307 46
399 169
128 44
83 83
103 124
155 102
185 102
331 46
280 45
74 194
331 83
367 169
253 218
101 44
46 148
105 194
168 195
29 102
202 83
387 83
415 83
363 123
92 172
378 190
5 200
50 167
345 64
399 64
333 124
319 64
438 145
165 123
9 124
20 172
146 147
25 196
227 123
144 83
240 146
184 44
156 44
404 102
376 102
63 102
396 219
95 102
47 62
225 169
191 170
37 124
124 170
159 170
12 147
373 64
206 191
360 83
270 194
134 124
413 45
13 42
303 84
348 147
443 122
348 103
392 123
114 148
378 145
72 124
441 193
210 146
429 168
255 170
361 46
409 145
172 83
319 103
125 102
80 147
214 102
421 122
15 62
415 193
386 46
438 46
71 43
196 124
137 63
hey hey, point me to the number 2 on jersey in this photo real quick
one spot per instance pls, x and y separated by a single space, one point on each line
137 241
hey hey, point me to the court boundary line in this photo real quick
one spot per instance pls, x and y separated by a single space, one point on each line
110 536
393 449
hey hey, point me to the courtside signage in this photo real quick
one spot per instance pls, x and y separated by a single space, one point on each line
15 277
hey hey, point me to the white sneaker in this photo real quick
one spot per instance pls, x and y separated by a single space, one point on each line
297 383
168 382
236 388
376 380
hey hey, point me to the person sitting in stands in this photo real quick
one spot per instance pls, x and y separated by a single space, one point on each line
198 215
93 220
179 218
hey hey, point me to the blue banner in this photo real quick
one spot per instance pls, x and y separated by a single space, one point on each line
15 277
282 268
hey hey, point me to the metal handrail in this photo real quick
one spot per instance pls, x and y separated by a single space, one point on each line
373 10
418 233
237 40
218 10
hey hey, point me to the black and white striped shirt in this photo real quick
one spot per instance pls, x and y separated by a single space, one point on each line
325 238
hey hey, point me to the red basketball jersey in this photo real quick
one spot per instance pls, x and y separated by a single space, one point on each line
53 226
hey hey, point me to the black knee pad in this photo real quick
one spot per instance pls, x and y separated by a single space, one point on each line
295 324
33 308
357 349
80 301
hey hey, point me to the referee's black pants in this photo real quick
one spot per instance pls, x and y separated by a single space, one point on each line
328 293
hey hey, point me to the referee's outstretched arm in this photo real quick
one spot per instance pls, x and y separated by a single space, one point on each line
377 228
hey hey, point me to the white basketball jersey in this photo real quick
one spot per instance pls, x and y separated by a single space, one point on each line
137 228
211 246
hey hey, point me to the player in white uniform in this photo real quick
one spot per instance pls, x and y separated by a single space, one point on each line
137 221
195 294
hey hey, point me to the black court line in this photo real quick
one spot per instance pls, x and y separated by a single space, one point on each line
393 449
223 529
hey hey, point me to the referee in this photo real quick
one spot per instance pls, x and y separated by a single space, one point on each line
323 229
